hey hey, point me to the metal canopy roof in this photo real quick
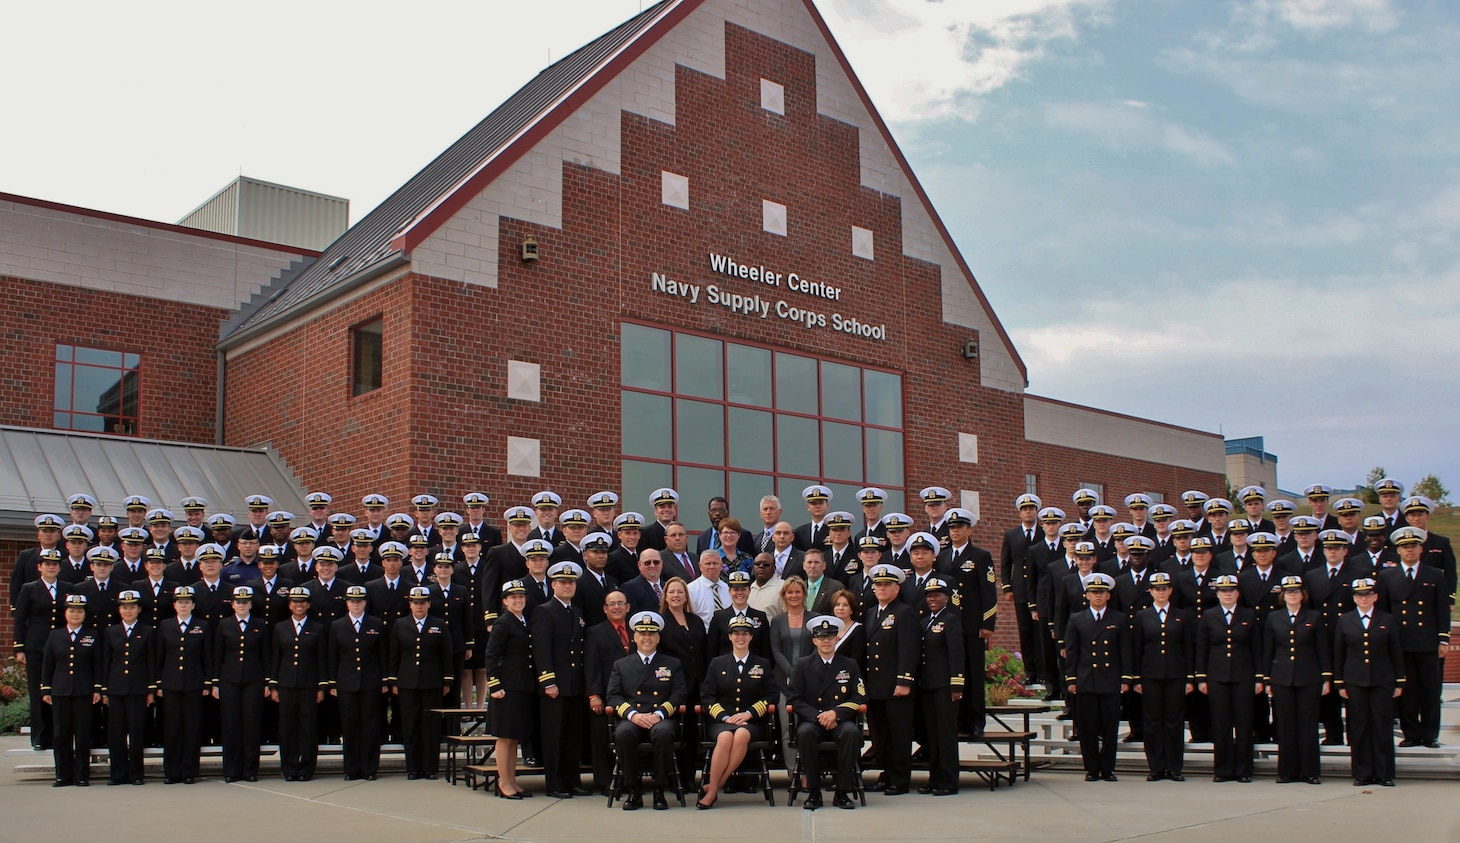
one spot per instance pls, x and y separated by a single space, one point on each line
40 469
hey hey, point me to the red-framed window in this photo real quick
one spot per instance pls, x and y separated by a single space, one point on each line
713 416
367 353
97 390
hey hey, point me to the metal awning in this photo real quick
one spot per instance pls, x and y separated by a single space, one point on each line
40 469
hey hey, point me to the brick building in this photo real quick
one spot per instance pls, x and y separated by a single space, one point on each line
688 254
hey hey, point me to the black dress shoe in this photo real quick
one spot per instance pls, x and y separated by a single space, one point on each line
1387 783
1065 715
1362 782
291 778
920 756
83 783
410 777
1408 743
1229 778
1313 780
944 791
502 795
1092 777
1332 742
1155 777
229 780
138 781
878 786
1244 780
251 779
582 791
1284 780
813 801
1133 738
634 802
189 781
529 761
660 803
895 791
113 782
560 794
370 778
171 781
60 783
1109 777
430 777
844 801
925 789
1175 777
1432 744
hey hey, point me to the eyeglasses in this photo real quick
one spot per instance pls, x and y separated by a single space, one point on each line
651 562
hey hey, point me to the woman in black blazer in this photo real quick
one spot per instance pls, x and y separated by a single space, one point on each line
684 638
511 685
1296 668
738 690
852 641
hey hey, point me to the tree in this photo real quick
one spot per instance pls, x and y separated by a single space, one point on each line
1429 486
1371 480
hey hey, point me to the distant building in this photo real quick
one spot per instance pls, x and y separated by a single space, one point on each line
1249 464
272 213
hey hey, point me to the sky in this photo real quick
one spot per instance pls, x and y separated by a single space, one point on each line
1238 216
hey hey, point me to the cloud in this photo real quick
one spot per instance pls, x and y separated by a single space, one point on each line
1131 125
963 50
1322 16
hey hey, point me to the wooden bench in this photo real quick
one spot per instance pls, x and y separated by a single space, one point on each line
474 749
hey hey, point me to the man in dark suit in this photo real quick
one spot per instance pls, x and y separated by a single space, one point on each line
1374 545
666 511
719 510
505 562
419 672
646 691
972 568
74 565
788 558
1305 554
1046 549
48 537
820 586
1327 584
1415 594
677 559
1438 552
596 583
327 591
719 626
1368 671
476 520
297 681
940 686
101 589
1019 580
645 590
361 568
129 672
606 643
40 607
558 647
894 642
1096 674
623 559
271 591
355 660
71 677
826 694
814 533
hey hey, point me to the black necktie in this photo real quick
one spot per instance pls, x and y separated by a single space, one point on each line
1029 536
73 638
1409 572
1332 574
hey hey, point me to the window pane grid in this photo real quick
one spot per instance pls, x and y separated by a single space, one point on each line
837 448
99 392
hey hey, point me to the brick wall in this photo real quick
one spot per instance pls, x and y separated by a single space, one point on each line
1060 470
9 549
179 368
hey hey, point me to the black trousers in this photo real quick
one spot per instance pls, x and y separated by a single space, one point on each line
891 721
1371 731
971 710
848 738
564 724
1330 713
41 726
1419 705
1029 644
298 732
1294 718
360 720
241 705
422 729
1199 716
182 734
1051 666
1098 719
1132 711
72 747
1163 714
1262 718
626 740
1231 711
940 719
126 735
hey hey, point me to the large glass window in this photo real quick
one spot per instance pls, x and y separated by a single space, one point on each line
712 417
97 390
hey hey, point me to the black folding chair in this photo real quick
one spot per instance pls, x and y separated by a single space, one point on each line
757 755
827 749
617 785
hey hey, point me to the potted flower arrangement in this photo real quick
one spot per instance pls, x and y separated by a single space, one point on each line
1004 676
14 699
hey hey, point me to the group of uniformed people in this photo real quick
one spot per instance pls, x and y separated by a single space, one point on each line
1243 630
351 631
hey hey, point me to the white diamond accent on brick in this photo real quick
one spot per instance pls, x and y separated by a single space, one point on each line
675 190
969 501
967 447
524 457
861 242
524 380
773 217
772 96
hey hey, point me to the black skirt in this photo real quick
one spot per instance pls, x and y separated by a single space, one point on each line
511 715
757 732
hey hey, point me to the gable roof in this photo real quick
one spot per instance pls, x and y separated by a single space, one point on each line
465 169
